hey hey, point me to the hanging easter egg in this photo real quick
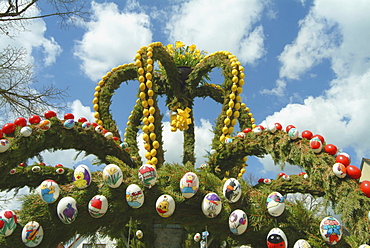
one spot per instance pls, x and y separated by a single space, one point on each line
108 135
36 169
353 172
134 196
272 128
69 124
340 158
139 234
276 238
365 188
197 237
257 130
26 131
293 133
32 234
232 190
364 246
301 243
238 222
331 230
49 114
147 175
211 205
278 126
44 125
49 191
339 170
267 181
4 145
165 206
347 155
112 175
316 145
189 184
319 137
241 135
306 134
20 121
98 206
331 149
86 125
81 176
286 177
67 210
275 204
8 222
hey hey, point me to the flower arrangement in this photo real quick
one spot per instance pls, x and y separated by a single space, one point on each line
185 55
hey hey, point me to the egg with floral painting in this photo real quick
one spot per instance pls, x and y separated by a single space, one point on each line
275 204
98 206
301 243
189 184
67 210
8 222
211 205
112 175
49 191
238 222
165 206
331 230
81 176
134 196
32 234
232 190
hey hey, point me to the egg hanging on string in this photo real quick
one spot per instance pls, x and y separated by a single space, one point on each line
81 176
67 210
112 175
238 222
147 175
211 205
189 184
275 204
301 243
331 230
276 238
98 206
232 190
49 191
32 234
9 220
134 196
165 206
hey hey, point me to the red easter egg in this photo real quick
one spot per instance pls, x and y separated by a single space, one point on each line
115 138
353 171
20 121
34 119
307 134
365 187
262 127
289 127
94 124
316 145
1 134
69 116
247 130
281 174
58 165
319 137
301 173
8 128
82 119
261 180
331 149
278 126
342 159
49 114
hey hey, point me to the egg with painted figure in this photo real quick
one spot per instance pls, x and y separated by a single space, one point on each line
339 170
197 237
331 230
81 177
276 238
69 124
301 243
112 175
232 190
49 191
147 175
238 222
32 234
67 210
165 206
189 184
211 205
86 125
134 196
98 206
44 125
26 131
4 145
275 204
8 222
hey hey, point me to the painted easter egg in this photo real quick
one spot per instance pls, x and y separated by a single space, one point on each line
67 210
49 191
238 222
189 184
86 125
293 133
197 237
147 175
364 246
331 230
4 145
134 196
272 128
81 176
8 222
301 243
98 206
339 170
276 238
32 234
275 204
232 190
211 205
26 131
112 175
44 125
139 234
165 206
69 124
316 145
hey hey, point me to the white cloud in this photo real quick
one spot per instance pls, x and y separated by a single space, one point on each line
112 37
220 25
279 90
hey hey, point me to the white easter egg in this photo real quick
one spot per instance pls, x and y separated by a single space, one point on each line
339 170
331 230
165 206
98 206
81 176
32 234
276 238
112 175
139 234
189 184
4 145
232 190
238 222
26 131
134 196
293 133
147 175
9 219
275 204
301 243
49 191
67 210
211 205
44 125
364 246
197 237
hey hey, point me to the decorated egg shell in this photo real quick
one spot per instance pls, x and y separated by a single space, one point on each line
44 125
211 205
189 184
49 191
26 131
232 190
98 206
32 234
276 238
86 125
139 234
331 230
81 176
275 204
316 145
339 170
4 145
9 219
134 196
112 175
67 210
293 133
69 124
197 237
364 246
165 206
301 243
238 222
147 175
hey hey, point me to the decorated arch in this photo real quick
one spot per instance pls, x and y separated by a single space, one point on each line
159 185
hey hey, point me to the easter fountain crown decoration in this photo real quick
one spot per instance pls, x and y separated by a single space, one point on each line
225 166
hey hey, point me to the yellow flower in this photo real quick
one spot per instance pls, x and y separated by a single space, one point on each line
179 44
192 48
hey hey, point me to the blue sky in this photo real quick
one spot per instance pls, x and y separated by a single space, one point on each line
307 63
